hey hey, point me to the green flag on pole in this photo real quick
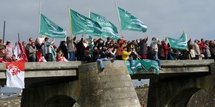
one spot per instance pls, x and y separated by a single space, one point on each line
180 43
108 29
50 29
130 22
83 25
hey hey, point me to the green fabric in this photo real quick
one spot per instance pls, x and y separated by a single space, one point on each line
83 25
91 45
50 29
108 29
135 66
180 43
130 22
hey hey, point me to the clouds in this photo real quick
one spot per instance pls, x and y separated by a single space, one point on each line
163 18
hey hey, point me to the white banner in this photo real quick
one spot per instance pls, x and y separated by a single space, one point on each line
15 74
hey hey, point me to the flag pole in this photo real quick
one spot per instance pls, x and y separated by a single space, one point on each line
18 37
89 12
39 17
17 43
119 21
89 17
4 26
70 19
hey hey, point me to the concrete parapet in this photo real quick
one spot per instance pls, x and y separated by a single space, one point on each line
48 69
111 87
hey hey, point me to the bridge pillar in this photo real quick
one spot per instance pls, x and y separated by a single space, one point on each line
110 87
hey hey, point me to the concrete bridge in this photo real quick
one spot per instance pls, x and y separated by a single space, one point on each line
57 84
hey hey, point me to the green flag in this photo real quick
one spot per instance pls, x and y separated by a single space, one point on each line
135 66
180 43
130 22
108 29
83 25
50 29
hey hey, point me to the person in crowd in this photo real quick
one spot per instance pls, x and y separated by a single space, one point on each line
207 50
105 56
202 47
59 56
119 48
212 49
96 54
2 49
160 51
173 54
87 55
108 42
32 52
125 53
165 49
192 52
70 48
39 51
80 49
94 49
14 58
48 49
154 50
143 48
197 50
28 46
9 51
23 54
38 45
63 48
111 52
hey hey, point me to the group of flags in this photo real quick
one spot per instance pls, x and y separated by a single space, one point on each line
95 25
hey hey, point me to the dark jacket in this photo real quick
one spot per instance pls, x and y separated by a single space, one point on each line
2 48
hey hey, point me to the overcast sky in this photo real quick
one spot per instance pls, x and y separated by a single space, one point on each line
163 17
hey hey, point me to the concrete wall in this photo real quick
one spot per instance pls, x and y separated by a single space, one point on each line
46 96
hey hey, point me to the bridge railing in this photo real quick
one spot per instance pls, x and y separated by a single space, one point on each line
47 69
177 67
63 69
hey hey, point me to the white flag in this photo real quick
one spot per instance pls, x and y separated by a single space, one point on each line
15 74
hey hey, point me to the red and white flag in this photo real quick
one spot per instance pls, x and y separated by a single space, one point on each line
15 74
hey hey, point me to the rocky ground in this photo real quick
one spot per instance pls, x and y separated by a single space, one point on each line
142 93
10 102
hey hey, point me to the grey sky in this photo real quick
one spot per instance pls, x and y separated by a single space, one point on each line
163 18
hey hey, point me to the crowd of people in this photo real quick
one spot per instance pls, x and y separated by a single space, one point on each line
90 50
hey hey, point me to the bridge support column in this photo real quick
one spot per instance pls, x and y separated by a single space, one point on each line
110 87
